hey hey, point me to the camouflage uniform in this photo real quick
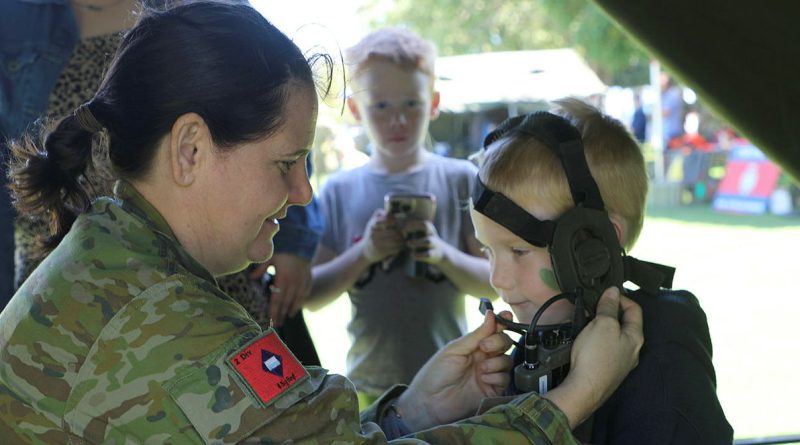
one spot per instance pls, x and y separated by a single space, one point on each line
121 337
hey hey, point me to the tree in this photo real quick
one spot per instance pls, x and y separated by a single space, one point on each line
473 26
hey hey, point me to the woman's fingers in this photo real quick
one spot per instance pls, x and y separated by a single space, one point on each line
608 304
631 316
500 363
497 343
499 381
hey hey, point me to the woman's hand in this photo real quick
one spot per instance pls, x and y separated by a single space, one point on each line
602 356
454 381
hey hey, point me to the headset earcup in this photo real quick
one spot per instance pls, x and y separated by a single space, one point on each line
586 254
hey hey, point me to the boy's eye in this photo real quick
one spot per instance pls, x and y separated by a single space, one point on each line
381 105
413 103
519 252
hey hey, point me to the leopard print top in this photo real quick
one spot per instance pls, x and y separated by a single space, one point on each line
78 82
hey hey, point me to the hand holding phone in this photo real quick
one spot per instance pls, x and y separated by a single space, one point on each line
413 214
382 239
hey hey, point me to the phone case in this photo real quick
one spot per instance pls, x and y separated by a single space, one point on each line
410 205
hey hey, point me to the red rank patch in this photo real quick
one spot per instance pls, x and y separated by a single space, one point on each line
267 365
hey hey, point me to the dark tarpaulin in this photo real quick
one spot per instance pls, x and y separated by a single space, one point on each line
742 59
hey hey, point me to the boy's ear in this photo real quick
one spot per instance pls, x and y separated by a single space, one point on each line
189 148
435 105
620 227
353 106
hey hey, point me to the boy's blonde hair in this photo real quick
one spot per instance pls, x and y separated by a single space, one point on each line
531 174
397 45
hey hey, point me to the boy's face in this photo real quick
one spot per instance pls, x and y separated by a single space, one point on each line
521 273
395 105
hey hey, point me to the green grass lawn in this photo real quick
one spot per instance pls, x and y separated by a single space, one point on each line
744 271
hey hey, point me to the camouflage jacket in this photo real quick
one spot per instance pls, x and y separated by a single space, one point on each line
121 337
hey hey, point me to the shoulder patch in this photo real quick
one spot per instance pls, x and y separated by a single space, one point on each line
267 367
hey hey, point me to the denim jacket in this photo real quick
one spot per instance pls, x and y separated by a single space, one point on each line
37 38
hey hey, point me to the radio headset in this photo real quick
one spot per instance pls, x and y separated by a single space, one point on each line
584 250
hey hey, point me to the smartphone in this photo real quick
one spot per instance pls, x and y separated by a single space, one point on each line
410 205
406 206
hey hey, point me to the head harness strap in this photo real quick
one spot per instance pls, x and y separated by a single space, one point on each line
560 135
563 138
508 214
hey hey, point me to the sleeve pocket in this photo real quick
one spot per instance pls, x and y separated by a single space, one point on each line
219 407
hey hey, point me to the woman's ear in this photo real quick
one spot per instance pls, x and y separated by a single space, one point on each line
189 148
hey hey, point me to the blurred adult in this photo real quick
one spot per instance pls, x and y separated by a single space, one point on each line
639 119
672 109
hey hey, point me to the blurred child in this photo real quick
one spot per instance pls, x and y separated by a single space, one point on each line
670 397
398 320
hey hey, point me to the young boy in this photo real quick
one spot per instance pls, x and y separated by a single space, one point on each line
670 397
398 320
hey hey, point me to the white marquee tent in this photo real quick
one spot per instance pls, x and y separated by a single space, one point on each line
475 81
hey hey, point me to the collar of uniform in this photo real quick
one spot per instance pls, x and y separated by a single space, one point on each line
133 201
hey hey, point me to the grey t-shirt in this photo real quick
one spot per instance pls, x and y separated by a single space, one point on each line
398 322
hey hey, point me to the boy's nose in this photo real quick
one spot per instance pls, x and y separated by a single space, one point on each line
399 119
500 279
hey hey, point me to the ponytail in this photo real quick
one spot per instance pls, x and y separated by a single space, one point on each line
49 182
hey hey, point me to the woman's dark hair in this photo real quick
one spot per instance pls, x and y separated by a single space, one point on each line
223 61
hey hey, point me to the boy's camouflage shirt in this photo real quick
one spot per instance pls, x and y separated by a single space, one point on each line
121 337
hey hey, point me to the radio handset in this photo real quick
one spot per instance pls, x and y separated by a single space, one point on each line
546 350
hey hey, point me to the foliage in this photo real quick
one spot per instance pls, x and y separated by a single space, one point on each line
473 26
